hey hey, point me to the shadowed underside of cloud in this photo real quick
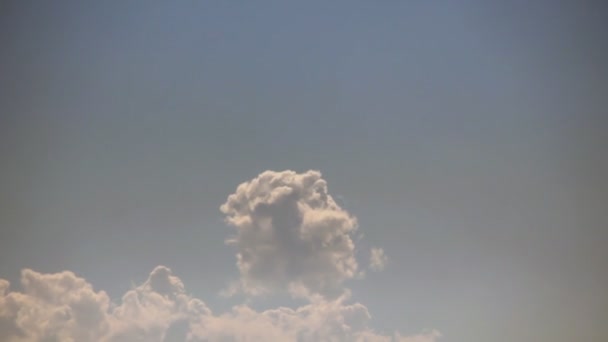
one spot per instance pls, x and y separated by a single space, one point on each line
65 307
291 236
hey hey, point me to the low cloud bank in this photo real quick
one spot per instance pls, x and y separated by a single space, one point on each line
65 307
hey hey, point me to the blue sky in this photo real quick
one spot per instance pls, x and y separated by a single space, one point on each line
467 137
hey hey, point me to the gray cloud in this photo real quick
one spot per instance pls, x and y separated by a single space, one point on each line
291 235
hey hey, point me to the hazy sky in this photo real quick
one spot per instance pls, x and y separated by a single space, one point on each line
468 138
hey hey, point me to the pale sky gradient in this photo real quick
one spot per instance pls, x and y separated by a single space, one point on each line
467 137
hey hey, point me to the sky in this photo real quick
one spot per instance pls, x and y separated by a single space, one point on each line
278 170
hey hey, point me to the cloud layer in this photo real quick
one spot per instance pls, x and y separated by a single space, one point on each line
291 236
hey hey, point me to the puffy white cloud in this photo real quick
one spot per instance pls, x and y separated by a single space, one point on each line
64 307
319 321
377 259
53 307
159 305
291 234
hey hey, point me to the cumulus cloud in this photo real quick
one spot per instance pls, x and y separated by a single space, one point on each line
291 235
377 259
64 307
158 306
53 307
